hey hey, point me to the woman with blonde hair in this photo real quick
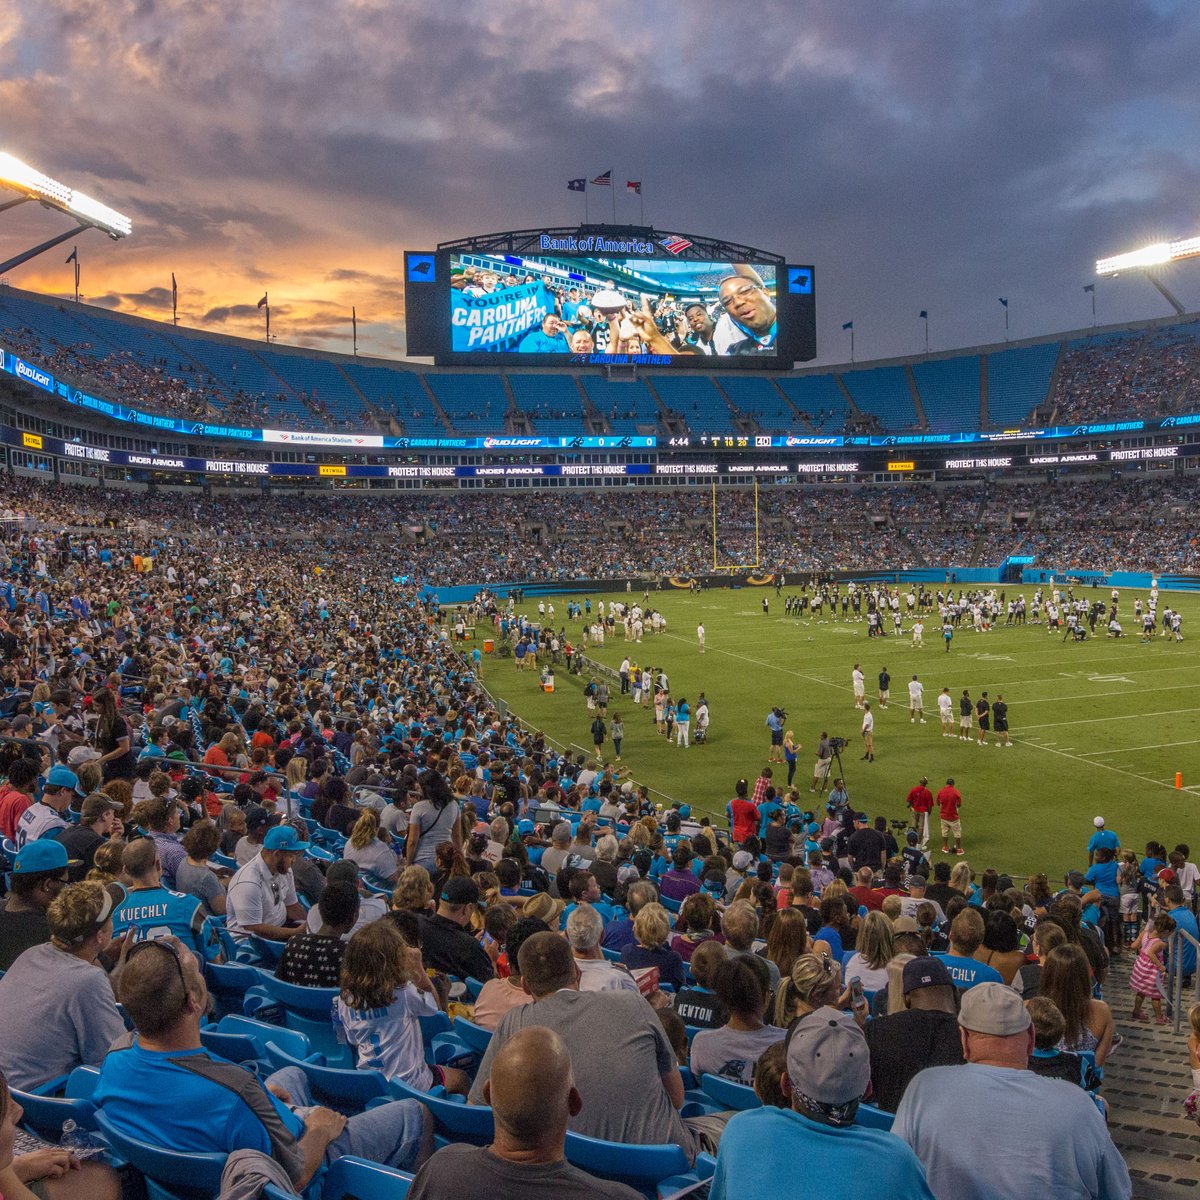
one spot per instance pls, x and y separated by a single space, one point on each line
651 928
295 776
413 891
875 948
370 850
960 879
384 993
815 981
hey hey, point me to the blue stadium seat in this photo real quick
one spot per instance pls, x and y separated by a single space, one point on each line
640 1167
346 1089
244 1040
454 1120
871 1117
473 1035
364 1180
728 1093
169 1174
44 1115
309 1010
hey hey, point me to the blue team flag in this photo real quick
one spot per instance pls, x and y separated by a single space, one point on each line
924 315
576 185
848 325
1003 300
1089 287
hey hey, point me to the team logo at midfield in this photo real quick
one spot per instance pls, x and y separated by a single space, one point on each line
674 245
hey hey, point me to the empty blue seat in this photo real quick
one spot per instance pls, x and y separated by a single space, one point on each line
244 1040
228 984
309 1010
728 1093
454 1120
871 1117
351 1176
44 1115
169 1174
346 1089
473 1035
641 1167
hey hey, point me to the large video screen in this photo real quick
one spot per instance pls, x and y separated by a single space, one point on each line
656 312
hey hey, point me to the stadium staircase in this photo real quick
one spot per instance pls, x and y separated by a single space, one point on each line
915 392
434 406
983 391
1145 1082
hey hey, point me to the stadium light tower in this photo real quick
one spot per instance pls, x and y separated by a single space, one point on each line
87 212
1157 254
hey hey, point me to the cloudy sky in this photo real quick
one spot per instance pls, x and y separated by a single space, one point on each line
922 153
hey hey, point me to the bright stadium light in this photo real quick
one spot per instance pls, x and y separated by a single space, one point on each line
1155 255
21 177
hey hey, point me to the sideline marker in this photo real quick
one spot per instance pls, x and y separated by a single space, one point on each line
1179 780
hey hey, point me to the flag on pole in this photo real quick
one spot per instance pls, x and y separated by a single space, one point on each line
263 302
634 186
1003 300
73 257
924 314
604 180
1089 287
848 325
576 185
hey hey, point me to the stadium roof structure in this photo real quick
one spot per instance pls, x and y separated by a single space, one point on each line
87 212
699 248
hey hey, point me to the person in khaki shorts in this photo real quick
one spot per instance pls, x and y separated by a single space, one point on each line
949 802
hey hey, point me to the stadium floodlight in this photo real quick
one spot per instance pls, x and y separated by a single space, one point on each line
1155 255
87 212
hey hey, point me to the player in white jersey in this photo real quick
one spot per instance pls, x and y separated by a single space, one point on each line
918 632
859 685
916 701
946 712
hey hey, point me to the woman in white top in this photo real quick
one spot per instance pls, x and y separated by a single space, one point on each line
369 848
384 993
876 947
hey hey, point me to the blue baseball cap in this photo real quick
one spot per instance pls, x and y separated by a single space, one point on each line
44 854
526 826
63 777
283 837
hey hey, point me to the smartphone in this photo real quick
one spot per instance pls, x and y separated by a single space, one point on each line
857 998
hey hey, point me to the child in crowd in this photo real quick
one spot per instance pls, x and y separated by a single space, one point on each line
1128 877
1149 969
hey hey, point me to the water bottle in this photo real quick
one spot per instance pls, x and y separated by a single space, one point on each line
71 1139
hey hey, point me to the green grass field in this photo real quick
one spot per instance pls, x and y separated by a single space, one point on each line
1100 728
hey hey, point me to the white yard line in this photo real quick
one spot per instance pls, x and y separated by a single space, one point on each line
758 662
1179 687
1103 766
1170 712
1131 749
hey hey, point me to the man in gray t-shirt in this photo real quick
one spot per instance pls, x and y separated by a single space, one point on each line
625 1070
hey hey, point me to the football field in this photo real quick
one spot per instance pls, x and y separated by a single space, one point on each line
1100 727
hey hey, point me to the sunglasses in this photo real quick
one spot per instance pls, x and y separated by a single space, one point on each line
141 946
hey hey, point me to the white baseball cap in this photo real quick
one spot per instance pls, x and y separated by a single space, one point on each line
1098 822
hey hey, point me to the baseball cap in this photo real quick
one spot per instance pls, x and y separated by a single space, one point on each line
861 817
526 826
904 924
342 871
282 837
256 817
1098 822
461 890
96 805
43 855
827 1058
743 860
21 721
627 873
63 777
993 1008
926 972
79 755
918 881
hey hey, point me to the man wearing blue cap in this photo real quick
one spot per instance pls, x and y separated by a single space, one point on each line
38 875
45 819
262 897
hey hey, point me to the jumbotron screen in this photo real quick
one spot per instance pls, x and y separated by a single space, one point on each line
652 310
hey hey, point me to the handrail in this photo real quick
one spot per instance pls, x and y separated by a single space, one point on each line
1177 976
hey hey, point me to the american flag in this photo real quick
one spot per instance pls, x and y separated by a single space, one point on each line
674 245
634 186
604 180
198 737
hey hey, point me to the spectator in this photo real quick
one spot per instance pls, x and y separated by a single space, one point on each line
217 1107
499 994
924 1033
963 1121
739 924
695 925
625 1071
314 959
1048 1058
193 876
98 820
814 983
966 936
446 944
620 934
876 946
57 1010
680 881
40 872
262 897
585 928
150 909
1088 1022
741 984
531 1089
17 794
827 1072
697 1003
369 848
651 928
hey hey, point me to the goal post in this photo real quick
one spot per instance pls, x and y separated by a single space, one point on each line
719 566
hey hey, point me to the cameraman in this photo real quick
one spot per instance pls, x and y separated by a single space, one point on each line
774 722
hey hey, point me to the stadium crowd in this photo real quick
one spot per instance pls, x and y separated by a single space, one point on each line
242 757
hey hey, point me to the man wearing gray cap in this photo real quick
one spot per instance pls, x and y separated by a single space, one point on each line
963 1122
815 1148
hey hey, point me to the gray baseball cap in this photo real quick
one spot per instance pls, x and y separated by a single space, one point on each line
993 1008
828 1059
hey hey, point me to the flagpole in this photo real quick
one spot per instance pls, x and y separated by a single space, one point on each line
613 189
267 307
852 341
1093 305
354 326
174 300
642 203
76 279
586 218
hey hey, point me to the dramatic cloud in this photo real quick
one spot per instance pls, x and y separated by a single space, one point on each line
924 155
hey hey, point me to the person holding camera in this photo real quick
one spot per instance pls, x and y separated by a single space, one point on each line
774 722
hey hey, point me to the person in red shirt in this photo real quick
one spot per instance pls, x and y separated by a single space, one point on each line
17 794
920 800
743 816
864 892
949 801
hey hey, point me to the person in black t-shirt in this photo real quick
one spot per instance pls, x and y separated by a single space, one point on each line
983 712
923 1034
867 846
98 820
39 873
445 943
1000 721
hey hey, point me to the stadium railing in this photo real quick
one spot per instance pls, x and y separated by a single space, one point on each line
1177 975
